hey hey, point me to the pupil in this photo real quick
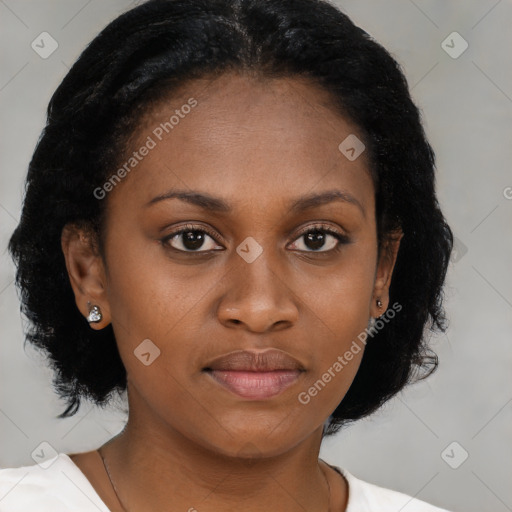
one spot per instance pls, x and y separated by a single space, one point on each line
315 240
193 240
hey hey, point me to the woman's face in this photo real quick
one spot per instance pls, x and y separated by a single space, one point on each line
249 156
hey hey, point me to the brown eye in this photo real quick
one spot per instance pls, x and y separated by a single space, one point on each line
191 239
320 239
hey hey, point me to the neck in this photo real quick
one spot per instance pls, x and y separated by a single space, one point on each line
156 467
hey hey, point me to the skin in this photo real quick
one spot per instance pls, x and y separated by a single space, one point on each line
258 145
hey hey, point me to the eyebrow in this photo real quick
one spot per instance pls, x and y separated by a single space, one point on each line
214 204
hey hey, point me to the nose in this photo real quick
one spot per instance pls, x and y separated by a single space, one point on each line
257 298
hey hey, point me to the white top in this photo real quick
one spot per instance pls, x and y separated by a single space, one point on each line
58 485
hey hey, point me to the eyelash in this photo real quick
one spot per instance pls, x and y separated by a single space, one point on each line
342 238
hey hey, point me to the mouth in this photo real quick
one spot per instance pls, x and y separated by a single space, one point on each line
255 385
255 375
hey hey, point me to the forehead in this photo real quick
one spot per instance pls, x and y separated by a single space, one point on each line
244 138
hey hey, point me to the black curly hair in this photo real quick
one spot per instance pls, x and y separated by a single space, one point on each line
148 53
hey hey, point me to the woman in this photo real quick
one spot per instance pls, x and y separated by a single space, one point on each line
231 215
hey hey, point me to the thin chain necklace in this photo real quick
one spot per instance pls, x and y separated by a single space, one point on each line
329 509
112 482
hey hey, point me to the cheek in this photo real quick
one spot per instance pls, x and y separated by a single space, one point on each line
339 348
150 299
339 309
340 297
145 295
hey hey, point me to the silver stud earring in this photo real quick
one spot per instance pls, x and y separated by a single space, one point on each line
94 315
379 303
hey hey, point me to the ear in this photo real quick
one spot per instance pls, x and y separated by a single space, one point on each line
86 271
385 266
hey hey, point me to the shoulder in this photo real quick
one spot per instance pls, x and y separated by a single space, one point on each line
366 497
55 485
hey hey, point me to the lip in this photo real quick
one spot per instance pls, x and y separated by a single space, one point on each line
255 361
255 375
255 385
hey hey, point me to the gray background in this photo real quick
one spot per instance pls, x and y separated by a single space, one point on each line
467 108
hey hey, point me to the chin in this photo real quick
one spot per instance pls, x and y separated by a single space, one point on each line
253 439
